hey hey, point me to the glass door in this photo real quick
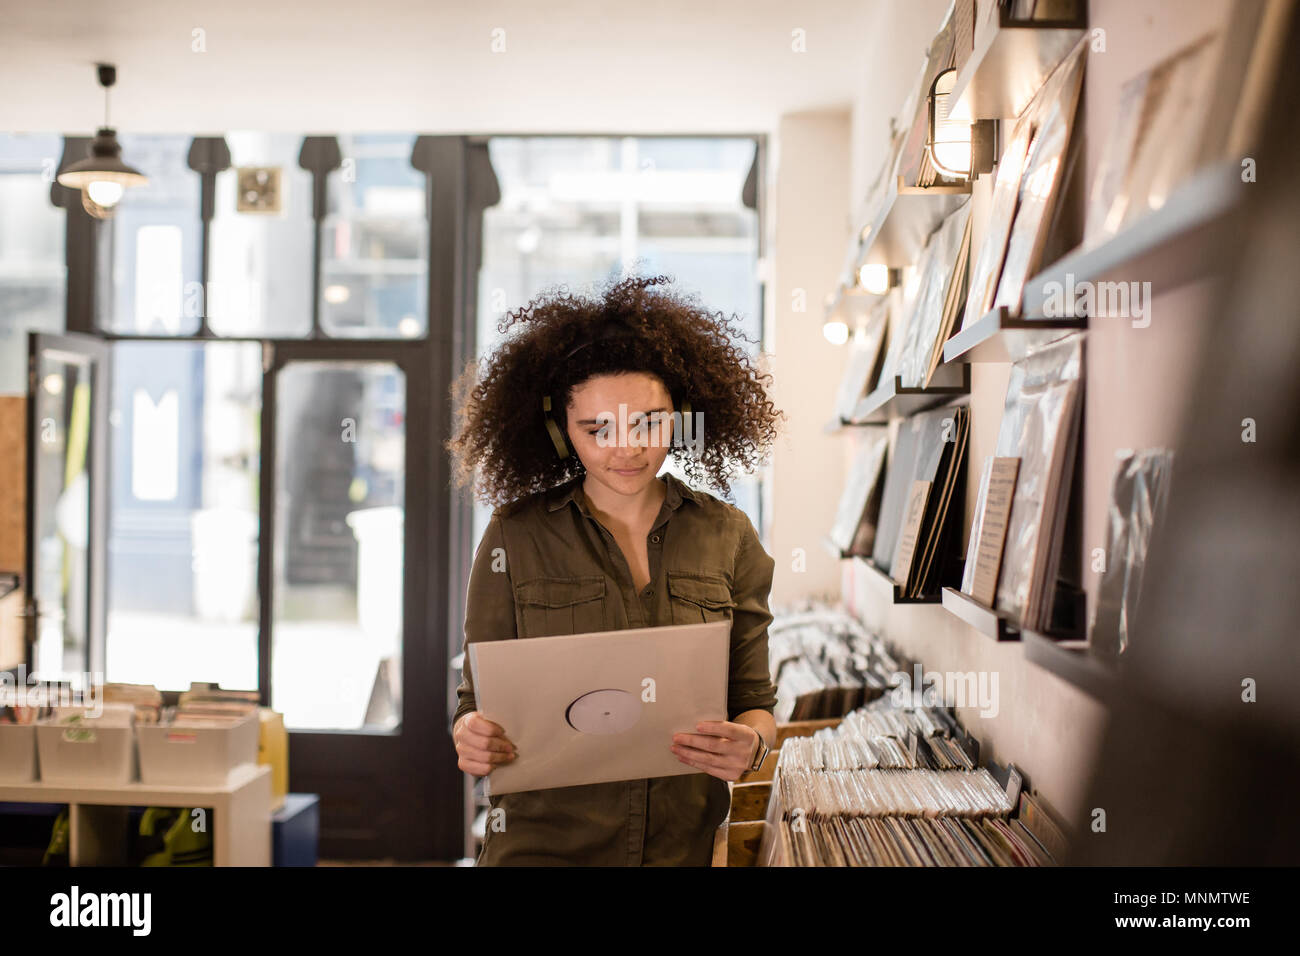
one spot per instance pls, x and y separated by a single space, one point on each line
343 463
67 426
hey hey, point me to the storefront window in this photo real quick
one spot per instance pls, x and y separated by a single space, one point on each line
262 240
33 276
150 249
374 255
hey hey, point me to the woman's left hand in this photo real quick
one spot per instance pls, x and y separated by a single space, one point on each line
721 748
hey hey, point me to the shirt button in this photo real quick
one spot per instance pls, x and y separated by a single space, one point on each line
654 538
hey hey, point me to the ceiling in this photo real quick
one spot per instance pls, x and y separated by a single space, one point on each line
342 65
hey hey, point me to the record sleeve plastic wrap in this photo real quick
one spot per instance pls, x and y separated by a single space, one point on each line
1138 493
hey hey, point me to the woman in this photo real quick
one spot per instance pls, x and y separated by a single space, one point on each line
568 423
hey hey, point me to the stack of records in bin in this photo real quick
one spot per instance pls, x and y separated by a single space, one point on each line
859 795
204 705
824 663
145 698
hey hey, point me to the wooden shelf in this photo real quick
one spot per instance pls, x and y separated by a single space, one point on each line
242 810
893 400
895 590
135 794
987 621
1011 61
1168 247
1073 662
999 336
902 219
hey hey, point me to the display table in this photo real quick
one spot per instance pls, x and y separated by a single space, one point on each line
240 824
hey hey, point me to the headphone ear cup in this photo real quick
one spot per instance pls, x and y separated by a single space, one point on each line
558 438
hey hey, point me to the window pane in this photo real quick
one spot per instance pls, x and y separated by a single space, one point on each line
261 261
183 518
149 265
374 258
33 277
61 514
336 631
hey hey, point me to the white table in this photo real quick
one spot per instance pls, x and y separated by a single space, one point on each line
240 828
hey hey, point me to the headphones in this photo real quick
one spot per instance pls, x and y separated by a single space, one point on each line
614 328
560 438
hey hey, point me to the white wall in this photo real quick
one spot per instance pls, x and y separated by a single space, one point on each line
811 169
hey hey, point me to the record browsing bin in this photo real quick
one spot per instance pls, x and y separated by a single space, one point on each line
73 749
77 749
188 753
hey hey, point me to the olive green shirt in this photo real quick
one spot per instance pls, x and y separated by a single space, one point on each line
564 573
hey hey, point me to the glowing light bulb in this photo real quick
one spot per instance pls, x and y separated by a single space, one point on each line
874 278
836 332
105 192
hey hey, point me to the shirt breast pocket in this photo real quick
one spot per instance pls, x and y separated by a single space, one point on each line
561 605
699 598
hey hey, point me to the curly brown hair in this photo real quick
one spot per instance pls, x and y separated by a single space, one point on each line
500 427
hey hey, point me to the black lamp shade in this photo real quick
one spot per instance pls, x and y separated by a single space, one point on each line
104 164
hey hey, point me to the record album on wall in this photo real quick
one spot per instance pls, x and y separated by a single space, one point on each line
866 356
1139 490
915 511
854 531
937 303
1026 191
1040 425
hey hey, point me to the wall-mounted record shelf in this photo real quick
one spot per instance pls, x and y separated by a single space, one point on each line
832 548
999 336
846 294
987 621
837 424
1069 608
903 218
1172 245
1073 662
893 400
1011 61
885 580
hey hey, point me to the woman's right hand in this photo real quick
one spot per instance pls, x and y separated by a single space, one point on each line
481 744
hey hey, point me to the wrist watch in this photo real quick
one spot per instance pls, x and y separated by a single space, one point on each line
760 752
